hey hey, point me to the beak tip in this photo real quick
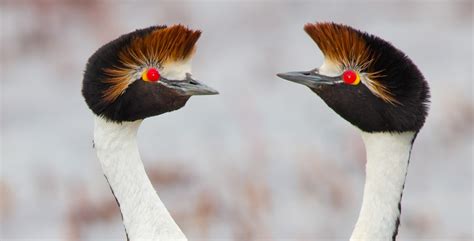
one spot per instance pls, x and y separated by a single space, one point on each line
309 78
190 87
207 91
284 76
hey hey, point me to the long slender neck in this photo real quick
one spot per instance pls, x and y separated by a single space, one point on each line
387 162
145 217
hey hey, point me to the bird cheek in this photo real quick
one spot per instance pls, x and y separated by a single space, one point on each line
319 90
178 102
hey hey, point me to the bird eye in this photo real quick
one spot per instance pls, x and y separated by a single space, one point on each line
151 75
351 77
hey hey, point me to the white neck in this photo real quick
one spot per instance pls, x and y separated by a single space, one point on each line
145 217
386 169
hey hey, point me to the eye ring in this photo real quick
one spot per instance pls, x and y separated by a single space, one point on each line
151 74
351 77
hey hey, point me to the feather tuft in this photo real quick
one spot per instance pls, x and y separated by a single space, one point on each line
348 48
147 49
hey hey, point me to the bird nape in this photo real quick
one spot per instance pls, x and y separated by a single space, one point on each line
138 75
378 89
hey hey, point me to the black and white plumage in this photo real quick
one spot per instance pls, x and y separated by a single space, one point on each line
141 74
110 85
388 103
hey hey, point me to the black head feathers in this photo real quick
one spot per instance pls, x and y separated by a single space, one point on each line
110 85
392 94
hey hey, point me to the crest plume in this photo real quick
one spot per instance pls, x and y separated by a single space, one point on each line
340 44
348 48
114 67
162 44
153 46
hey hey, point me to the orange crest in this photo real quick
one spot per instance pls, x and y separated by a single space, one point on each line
147 48
347 47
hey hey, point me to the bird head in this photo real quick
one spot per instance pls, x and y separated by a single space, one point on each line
366 80
143 73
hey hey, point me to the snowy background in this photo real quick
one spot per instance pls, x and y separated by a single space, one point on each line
264 160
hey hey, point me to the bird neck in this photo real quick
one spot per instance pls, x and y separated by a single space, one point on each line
388 155
144 216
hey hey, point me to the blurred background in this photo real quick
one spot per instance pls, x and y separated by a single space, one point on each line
264 160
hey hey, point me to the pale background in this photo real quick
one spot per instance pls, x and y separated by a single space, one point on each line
264 160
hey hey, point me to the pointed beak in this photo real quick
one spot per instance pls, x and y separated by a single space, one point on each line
310 78
188 86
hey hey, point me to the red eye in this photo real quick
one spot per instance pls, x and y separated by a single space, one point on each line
351 77
151 74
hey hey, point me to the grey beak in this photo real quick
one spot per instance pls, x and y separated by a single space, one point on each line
188 87
310 78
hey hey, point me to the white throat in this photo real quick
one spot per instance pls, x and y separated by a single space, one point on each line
386 169
144 215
